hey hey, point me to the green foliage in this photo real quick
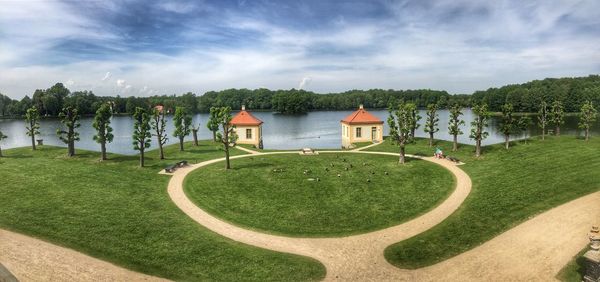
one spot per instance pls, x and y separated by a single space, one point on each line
223 118
588 116
213 122
102 125
159 125
291 201
401 122
478 126
557 113
291 102
141 130
70 119
33 121
431 123
543 116
414 118
2 136
508 124
454 123
182 121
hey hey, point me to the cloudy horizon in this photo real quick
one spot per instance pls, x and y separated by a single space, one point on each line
140 48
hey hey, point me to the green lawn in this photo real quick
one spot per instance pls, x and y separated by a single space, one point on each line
121 213
509 187
288 202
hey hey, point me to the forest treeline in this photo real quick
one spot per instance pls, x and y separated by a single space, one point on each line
526 97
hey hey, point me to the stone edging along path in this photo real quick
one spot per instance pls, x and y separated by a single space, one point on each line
357 257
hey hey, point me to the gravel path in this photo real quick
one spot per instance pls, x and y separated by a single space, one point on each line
358 257
30 259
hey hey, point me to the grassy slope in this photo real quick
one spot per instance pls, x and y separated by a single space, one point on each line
119 212
508 188
252 195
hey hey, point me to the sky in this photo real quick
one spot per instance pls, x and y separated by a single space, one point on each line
142 48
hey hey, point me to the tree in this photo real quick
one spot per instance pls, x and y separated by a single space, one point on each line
587 117
159 125
478 125
141 132
2 137
103 129
213 123
414 118
70 119
543 118
195 134
182 121
523 125
557 115
400 122
454 125
228 136
431 123
33 124
509 124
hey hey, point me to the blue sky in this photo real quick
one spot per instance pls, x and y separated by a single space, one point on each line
134 47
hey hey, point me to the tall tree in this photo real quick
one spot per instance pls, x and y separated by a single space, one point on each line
557 115
228 136
523 125
543 118
103 129
141 132
33 124
2 137
182 121
400 122
431 122
454 125
213 123
414 118
587 117
159 125
478 125
509 123
70 119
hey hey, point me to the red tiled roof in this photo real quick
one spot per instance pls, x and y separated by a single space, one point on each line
245 118
361 116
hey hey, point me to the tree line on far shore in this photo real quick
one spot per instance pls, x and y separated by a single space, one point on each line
526 97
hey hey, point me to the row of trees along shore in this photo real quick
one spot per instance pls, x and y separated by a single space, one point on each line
403 120
148 122
526 97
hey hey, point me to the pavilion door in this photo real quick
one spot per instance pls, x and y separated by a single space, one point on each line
373 133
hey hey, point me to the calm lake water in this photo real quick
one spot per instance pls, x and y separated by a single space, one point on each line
315 130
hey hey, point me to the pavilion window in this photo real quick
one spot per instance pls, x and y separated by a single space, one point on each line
248 133
358 132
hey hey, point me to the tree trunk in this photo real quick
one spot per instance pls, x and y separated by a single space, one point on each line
477 148
412 133
430 139
455 143
587 134
160 150
214 136
181 143
33 141
557 130
142 157
506 141
103 150
195 135
402 154
543 132
228 166
71 148
0 152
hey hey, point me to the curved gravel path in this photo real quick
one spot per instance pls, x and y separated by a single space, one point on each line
30 259
358 257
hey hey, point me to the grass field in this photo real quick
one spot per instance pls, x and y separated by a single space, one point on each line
509 187
118 212
293 203
574 270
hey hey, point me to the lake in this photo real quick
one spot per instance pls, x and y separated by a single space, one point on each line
315 130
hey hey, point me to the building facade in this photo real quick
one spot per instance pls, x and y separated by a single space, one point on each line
361 126
248 128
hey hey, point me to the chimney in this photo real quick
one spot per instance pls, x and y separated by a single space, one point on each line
361 107
243 107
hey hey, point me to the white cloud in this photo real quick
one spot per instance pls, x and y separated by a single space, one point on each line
120 83
304 82
107 76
